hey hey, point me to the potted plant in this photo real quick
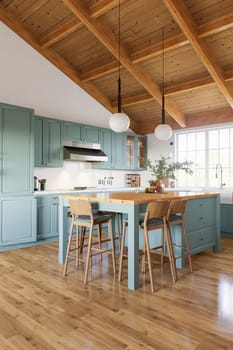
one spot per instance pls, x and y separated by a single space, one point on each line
165 168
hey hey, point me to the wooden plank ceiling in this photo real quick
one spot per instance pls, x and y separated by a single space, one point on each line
80 37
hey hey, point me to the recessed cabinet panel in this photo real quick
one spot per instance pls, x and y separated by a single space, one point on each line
227 218
17 220
72 131
47 217
48 142
200 212
38 134
54 143
90 134
118 151
17 150
105 137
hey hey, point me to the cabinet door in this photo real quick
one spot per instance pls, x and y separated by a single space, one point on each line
226 218
17 150
72 131
53 142
105 139
90 134
141 152
38 135
118 151
48 142
47 217
130 152
200 213
17 220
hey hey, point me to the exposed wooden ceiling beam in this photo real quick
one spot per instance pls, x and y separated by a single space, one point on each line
110 41
53 57
132 100
192 121
204 30
100 71
184 19
175 89
216 26
95 10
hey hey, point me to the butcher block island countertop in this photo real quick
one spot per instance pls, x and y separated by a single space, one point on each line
202 218
136 197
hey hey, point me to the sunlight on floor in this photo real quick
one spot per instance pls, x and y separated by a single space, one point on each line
225 299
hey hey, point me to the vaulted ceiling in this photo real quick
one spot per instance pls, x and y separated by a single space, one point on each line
80 37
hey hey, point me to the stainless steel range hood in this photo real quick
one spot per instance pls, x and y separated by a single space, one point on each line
84 152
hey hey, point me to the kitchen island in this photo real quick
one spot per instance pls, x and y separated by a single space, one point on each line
202 219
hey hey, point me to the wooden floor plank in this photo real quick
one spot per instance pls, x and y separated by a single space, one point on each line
42 310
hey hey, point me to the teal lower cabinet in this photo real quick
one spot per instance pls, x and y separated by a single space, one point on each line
201 221
17 221
47 217
227 220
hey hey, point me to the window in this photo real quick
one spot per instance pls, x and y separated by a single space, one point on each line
206 148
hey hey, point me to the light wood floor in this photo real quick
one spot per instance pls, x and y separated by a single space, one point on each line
39 309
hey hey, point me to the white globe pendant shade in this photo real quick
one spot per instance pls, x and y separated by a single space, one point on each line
119 122
163 132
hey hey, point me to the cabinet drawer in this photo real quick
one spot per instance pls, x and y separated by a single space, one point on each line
200 213
205 236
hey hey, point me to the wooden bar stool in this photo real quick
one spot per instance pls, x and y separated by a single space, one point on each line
176 217
84 217
155 218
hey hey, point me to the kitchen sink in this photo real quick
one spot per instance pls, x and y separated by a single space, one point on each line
226 197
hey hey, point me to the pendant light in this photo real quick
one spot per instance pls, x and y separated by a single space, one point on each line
119 122
163 131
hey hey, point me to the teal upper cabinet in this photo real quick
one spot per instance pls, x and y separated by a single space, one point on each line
17 151
118 150
48 142
79 132
124 151
90 134
72 131
105 139
136 151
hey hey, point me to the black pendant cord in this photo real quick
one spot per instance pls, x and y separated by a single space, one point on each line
163 98
119 59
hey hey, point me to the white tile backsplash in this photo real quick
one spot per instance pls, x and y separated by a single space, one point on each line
82 174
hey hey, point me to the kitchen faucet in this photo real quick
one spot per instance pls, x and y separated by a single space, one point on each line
219 166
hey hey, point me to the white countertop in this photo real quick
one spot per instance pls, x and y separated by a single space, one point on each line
89 190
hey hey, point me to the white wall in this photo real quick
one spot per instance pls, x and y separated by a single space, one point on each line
80 174
29 80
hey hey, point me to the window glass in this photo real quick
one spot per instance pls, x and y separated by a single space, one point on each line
224 138
213 157
191 142
206 148
182 142
213 139
224 157
200 139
